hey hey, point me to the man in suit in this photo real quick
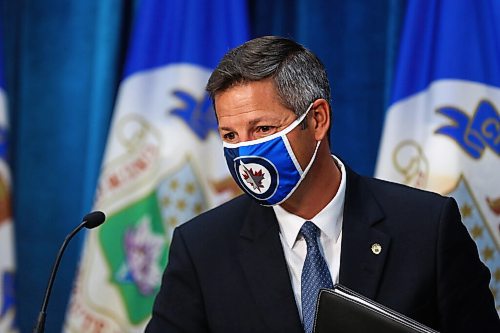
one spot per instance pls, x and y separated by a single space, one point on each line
256 263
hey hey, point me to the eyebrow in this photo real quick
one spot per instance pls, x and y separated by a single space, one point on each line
252 122
229 129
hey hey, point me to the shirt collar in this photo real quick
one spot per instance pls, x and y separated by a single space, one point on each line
328 220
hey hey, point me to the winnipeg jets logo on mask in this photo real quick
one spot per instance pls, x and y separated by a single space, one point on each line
254 179
258 176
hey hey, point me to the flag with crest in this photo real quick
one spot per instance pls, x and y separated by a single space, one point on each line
7 257
442 129
163 163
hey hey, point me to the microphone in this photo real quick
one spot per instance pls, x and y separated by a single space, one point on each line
89 221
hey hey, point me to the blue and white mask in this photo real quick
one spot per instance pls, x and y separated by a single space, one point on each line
267 168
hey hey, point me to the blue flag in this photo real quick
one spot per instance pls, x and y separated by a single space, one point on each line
7 257
163 163
442 129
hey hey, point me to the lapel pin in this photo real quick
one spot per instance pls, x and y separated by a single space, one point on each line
376 248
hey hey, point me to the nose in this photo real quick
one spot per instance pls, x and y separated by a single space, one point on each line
244 137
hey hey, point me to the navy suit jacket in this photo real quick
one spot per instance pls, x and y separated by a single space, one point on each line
227 271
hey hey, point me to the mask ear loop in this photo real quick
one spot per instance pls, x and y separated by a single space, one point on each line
313 158
303 123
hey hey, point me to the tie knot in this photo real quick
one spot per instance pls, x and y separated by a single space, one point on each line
310 232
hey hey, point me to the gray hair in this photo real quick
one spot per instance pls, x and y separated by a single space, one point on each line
298 75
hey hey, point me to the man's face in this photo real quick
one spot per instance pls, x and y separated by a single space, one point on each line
252 111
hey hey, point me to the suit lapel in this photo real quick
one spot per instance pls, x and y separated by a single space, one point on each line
263 262
361 263
264 265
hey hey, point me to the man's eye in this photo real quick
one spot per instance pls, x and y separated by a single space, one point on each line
264 129
229 136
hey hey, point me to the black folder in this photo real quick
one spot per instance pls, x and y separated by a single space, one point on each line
341 310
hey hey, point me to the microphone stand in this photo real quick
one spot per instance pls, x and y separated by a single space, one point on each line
40 325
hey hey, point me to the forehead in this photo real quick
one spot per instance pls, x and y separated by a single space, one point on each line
250 100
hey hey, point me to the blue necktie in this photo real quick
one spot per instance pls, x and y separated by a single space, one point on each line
315 275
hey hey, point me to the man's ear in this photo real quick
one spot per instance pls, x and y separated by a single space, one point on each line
320 118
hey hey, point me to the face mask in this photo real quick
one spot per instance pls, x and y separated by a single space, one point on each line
267 168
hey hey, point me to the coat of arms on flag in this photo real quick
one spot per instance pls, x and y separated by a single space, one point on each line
136 248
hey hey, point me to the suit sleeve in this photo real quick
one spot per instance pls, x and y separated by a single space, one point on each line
464 299
178 307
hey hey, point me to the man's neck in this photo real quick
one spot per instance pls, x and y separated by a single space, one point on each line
317 189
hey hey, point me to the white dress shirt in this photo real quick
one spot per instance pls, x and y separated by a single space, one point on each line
329 221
